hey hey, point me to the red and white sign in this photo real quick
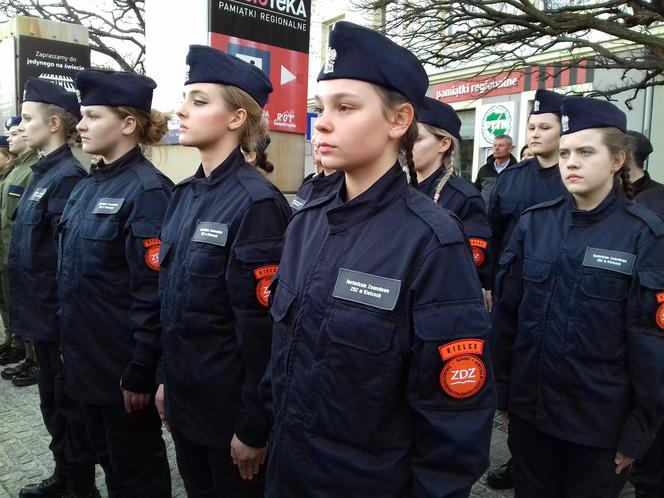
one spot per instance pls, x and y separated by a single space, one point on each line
287 69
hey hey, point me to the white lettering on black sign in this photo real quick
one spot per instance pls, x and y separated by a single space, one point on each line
364 288
108 205
37 194
209 232
621 262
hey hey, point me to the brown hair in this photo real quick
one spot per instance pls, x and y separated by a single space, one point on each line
450 158
392 99
253 129
261 155
617 141
150 126
68 120
7 155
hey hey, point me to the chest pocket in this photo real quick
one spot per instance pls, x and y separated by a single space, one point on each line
36 250
101 246
535 275
356 373
597 328
206 289
283 313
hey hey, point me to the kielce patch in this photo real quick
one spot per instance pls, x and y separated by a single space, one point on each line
264 275
152 247
464 373
478 247
659 318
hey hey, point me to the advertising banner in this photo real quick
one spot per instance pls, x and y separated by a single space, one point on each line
51 60
494 120
273 35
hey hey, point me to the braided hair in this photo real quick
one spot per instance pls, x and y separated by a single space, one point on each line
617 141
450 158
392 99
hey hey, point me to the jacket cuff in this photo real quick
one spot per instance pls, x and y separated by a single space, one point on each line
251 432
137 378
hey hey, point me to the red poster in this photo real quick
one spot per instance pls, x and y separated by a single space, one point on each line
287 105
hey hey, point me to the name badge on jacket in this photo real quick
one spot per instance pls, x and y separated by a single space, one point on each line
209 232
621 262
37 194
297 203
15 191
364 288
108 205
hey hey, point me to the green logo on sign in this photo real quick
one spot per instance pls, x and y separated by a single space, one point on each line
496 121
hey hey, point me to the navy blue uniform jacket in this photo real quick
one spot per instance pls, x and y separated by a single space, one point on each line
578 350
315 186
518 188
377 310
108 279
463 199
221 244
33 252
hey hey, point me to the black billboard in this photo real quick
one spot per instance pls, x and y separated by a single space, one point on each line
51 60
280 23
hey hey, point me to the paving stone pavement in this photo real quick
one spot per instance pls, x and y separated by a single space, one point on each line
25 458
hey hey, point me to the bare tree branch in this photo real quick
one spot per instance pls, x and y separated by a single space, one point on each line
116 31
508 35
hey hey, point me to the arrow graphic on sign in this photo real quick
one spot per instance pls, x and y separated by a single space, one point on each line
286 76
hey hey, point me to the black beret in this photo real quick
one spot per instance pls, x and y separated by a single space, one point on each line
547 102
209 65
115 89
581 113
13 121
360 53
641 146
45 92
436 113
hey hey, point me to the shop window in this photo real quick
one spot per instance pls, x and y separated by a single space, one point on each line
468 143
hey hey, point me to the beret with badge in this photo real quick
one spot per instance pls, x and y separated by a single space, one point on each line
45 92
209 65
547 102
436 113
13 121
582 113
360 53
115 89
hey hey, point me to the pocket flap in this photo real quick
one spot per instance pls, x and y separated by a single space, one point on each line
360 327
446 321
259 251
106 229
283 299
146 229
602 285
652 278
535 270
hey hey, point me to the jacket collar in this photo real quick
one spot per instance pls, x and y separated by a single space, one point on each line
47 162
102 171
388 187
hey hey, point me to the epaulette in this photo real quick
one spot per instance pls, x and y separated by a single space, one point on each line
464 186
257 186
546 204
443 222
150 177
654 222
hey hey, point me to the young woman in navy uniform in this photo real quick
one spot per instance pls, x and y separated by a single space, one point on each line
49 116
109 267
531 181
380 372
221 244
579 319
436 154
